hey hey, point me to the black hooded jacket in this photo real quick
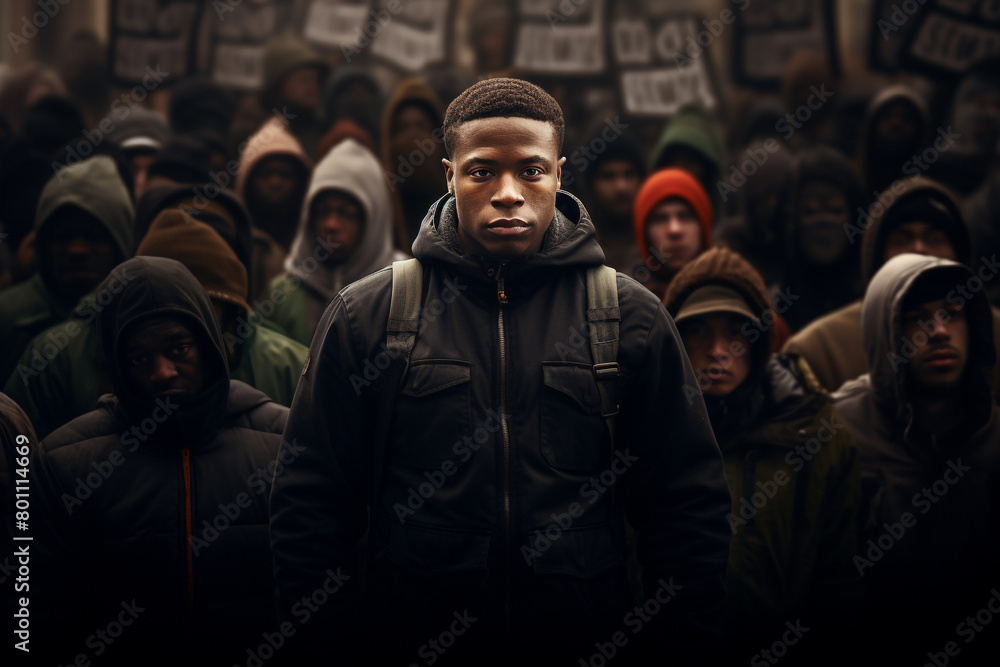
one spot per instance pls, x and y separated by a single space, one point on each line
495 499
156 511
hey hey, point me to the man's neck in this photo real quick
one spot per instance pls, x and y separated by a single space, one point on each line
938 414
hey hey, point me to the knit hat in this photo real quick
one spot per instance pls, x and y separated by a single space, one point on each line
200 248
714 299
141 129
666 184
933 207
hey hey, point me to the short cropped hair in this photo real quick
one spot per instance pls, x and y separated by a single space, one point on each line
502 98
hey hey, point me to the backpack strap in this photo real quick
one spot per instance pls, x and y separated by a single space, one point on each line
400 336
604 316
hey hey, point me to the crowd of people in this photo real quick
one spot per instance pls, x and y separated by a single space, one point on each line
773 435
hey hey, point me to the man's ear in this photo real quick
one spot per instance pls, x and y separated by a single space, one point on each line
449 174
559 166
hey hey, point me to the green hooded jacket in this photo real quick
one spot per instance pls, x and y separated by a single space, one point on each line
32 306
695 128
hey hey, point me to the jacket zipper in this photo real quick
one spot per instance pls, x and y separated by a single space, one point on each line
189 553
502 298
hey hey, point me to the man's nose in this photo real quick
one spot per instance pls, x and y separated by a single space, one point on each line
163 369
508 192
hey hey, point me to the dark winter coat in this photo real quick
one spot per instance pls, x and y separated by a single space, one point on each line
155 512
497 440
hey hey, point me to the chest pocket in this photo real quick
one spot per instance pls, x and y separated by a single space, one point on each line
432 413
574 436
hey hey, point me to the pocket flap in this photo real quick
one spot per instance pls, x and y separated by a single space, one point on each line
427 377
575 381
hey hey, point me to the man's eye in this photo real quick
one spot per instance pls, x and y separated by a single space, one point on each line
480 173
532 172
138 360
181 350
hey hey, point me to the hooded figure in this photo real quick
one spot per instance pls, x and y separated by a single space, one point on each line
412 150
789 558
928 436
680 234
178 445
692 140
822 262
314 271
894 129
272 179
83 228
294 74
832 344
353 93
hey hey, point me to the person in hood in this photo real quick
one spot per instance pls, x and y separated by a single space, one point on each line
928 434
822 269
141 136
500 405
895 128
55 388
692 140
353 93
917 216
672 222
272 180
170 537
344 234
783 443
412 150
611 182
83 229
294 74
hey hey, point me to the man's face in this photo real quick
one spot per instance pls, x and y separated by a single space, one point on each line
615 185
338 220
82 251
504 173
896 127
301 87
719 353
822 213
939 333
918 237
673 231
163 358
139 164
274 179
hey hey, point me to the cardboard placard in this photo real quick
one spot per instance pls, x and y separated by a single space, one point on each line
239 32
951 35
560 37
769 32
152 35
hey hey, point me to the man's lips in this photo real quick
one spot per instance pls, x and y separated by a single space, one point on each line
508 226
717 373
941 358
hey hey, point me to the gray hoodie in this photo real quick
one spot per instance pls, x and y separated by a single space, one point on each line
350 168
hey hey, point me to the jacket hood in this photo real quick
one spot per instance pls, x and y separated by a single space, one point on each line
282 54
885 97
882 327
697 129
570 240
272 139
408 90
143 287
353 169
873 244
722 266
95 187
665 184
